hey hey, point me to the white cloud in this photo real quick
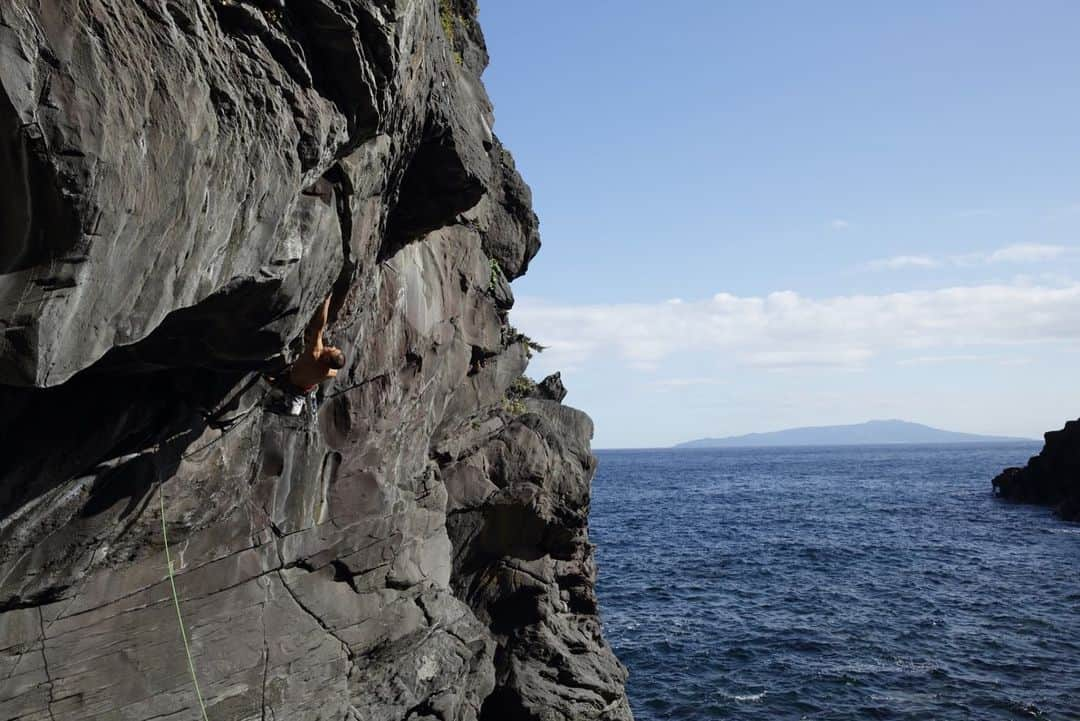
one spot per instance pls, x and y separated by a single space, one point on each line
832 357
1016 361
687 382
1026 253
898 262
785 329
839 224
936 359
1018 253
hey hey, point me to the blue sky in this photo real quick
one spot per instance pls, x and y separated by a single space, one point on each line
762 215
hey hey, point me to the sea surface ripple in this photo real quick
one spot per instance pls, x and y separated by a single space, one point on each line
836 583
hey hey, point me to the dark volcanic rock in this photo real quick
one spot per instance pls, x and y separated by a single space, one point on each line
551 388
1051 478
181 183
518 519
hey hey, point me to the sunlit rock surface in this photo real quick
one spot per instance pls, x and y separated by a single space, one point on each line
182 182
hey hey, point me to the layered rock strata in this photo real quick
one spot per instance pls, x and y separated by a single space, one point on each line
182 182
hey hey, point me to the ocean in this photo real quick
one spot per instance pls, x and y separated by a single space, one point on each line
835 583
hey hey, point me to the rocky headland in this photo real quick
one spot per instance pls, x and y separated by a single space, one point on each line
1051 478
182 183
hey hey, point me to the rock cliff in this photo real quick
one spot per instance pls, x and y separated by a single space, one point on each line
182 183
1051 478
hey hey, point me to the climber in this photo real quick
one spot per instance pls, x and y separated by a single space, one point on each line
316 364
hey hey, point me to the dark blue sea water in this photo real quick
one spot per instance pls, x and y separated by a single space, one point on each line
836 583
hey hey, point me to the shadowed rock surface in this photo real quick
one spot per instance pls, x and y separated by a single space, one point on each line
1051 478
182 183
551 388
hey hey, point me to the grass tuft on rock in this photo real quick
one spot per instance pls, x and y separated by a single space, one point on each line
449 21
514 401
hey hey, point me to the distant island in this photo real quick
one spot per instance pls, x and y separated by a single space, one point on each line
857 434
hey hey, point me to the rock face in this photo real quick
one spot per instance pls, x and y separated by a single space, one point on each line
182 182
1051 478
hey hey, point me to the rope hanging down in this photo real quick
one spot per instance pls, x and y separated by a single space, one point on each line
176 602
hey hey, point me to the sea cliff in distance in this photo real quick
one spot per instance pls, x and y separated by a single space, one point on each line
857 434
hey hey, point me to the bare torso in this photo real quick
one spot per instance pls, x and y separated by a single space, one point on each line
315 364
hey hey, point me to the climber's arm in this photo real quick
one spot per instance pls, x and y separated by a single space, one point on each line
314 334
324 314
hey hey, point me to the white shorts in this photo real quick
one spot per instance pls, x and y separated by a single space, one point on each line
294 404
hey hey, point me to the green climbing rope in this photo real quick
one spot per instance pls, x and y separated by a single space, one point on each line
176 602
